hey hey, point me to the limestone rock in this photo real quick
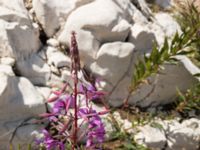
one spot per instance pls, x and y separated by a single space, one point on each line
124 124
168 23
151 137
142 37
170 134
19 101
163 87
35 69
58 59
20 96
112 61
18 36
14 12
109 22
52 42
165 3
51 14
185 135
143 7
112 64
44 91
22 137
8 61
6 69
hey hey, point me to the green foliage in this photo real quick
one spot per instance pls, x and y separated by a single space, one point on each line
19 147
124 141
152 64
121 140
190 100
189 16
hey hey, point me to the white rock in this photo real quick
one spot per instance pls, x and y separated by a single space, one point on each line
18 41
22 137
8 61
14 12
19 101
58 59
138 17
44 91
55 81
53 42
151 137
159 32
189 65
6 69
55 70
109 22
163 87
120 91
143 6
50 50
165 3
172 136
66 75
124 124
20 96
112 61
142 37
18 37
168 23
112 64
185 135
35 69
51 13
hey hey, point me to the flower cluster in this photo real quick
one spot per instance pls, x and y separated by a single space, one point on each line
72 113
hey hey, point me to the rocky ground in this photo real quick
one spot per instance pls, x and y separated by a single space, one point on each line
111 34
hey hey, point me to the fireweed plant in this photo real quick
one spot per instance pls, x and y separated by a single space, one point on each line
72 118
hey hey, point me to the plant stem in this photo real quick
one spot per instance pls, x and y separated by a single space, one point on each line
75 114
75 111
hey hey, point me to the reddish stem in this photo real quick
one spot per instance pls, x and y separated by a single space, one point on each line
75 113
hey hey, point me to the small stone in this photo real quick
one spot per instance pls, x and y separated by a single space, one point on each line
44 91
66 75
7 69
8 61
53 42
166 4
151 137
54 70
58 59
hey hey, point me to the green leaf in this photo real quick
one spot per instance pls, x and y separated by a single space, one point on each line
174 40
10 147
185 52
29 147
154 54
164 50
19 147
180 95
197 75
141 67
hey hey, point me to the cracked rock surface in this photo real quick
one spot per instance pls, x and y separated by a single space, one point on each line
173 135
111 35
